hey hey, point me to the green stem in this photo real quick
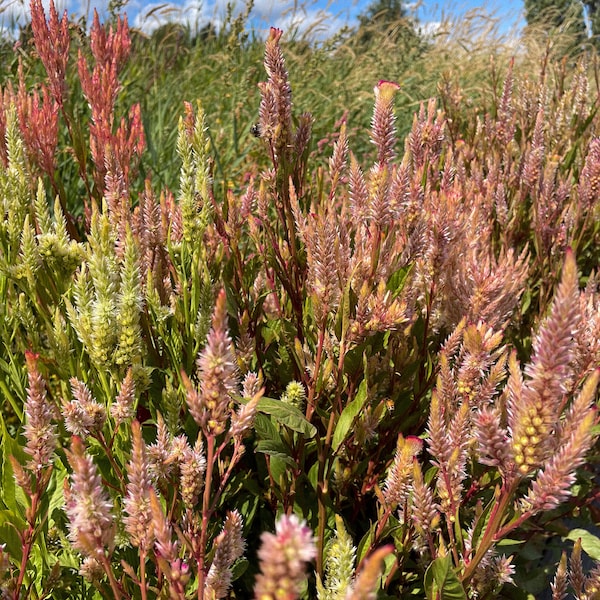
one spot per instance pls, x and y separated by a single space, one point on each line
312 392
322 490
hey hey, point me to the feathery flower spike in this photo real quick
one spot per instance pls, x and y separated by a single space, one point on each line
91 522
283 557
39 432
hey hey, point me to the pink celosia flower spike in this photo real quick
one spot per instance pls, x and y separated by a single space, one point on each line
276 98
52 41
39 432
283 557
138 522
383 131
534 405
218 374
91 522
399 476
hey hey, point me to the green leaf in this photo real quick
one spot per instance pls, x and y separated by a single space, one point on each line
275 448
348 416
287 415
10 525
398 279
441 582
589 542
12 495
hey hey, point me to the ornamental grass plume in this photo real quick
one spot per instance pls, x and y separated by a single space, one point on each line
283 557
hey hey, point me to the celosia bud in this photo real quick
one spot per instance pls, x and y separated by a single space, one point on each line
52 41
553 483
534 405
492 439
251 385
424 511
243 419
123 408
294 394
91 570
340 556
276 98
365 587
283 557
560 584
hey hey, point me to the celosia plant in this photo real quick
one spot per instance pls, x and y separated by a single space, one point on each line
390 363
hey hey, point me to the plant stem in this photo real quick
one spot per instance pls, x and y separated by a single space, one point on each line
206 511
312 392
322 490
111 578
143 589
504 497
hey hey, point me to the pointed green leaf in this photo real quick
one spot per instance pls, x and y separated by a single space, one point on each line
441 581
287 415
589 542
348 415
274 448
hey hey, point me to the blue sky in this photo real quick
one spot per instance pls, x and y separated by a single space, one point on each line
321 16
331 14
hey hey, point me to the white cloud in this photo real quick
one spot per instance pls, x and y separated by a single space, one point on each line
304 20
16 13
429 29
193 14
310 24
